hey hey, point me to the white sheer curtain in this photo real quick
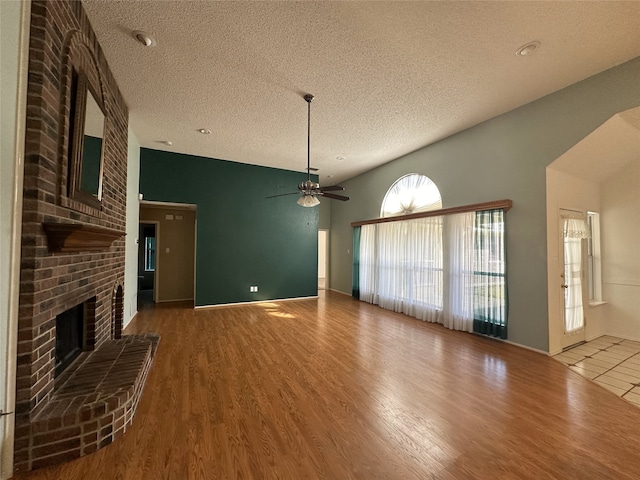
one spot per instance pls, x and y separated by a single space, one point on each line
445 269
368 264
459 271
401 267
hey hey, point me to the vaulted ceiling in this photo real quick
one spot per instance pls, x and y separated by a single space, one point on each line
388 77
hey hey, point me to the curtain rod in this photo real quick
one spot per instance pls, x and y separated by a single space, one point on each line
476 207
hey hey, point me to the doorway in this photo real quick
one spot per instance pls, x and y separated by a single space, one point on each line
574 231
147 240
323 258
175 250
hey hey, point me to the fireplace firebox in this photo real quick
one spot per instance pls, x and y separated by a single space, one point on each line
69 336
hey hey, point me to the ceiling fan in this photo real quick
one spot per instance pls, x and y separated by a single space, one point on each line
312 190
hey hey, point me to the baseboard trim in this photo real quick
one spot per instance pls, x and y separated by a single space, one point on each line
536 350
339 291
275 300
133 317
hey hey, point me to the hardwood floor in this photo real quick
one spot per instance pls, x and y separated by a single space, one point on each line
338 389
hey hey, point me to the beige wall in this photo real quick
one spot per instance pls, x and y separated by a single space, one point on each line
620 233
572 193
175 247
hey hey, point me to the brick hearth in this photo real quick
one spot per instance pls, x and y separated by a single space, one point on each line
94 402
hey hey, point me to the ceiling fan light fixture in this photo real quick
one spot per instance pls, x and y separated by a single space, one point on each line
308 201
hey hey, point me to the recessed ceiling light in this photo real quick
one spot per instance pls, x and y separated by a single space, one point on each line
339 158
528 49
165 142
204 131
144 38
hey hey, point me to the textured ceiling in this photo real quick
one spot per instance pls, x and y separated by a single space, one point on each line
389 77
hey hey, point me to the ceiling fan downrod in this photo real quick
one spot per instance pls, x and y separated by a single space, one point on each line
308 98
312 190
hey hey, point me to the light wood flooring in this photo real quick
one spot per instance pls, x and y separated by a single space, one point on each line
338 389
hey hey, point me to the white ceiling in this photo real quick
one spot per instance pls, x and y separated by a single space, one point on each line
389 77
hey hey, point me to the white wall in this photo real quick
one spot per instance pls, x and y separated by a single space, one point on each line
14 30
620 235
572 193
133 212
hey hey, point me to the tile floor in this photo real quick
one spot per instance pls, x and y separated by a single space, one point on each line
611 362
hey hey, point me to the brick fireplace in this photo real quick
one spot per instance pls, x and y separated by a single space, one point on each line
73 254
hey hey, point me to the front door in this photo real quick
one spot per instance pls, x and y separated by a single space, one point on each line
573 232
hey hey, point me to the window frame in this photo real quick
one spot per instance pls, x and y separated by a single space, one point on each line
417 178
594 259
149 254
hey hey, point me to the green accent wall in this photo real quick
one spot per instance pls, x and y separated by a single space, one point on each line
90 173
504 157
242 238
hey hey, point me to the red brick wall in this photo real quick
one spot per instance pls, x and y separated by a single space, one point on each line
60 37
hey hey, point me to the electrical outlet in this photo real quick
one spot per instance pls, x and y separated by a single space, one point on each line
253 288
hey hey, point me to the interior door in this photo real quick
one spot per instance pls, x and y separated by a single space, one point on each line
573 233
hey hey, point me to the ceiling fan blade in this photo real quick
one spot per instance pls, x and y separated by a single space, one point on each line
331 188
334 196
283 194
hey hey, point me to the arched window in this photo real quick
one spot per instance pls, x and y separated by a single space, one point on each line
411 193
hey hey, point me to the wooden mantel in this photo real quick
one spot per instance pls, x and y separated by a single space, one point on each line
77 237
